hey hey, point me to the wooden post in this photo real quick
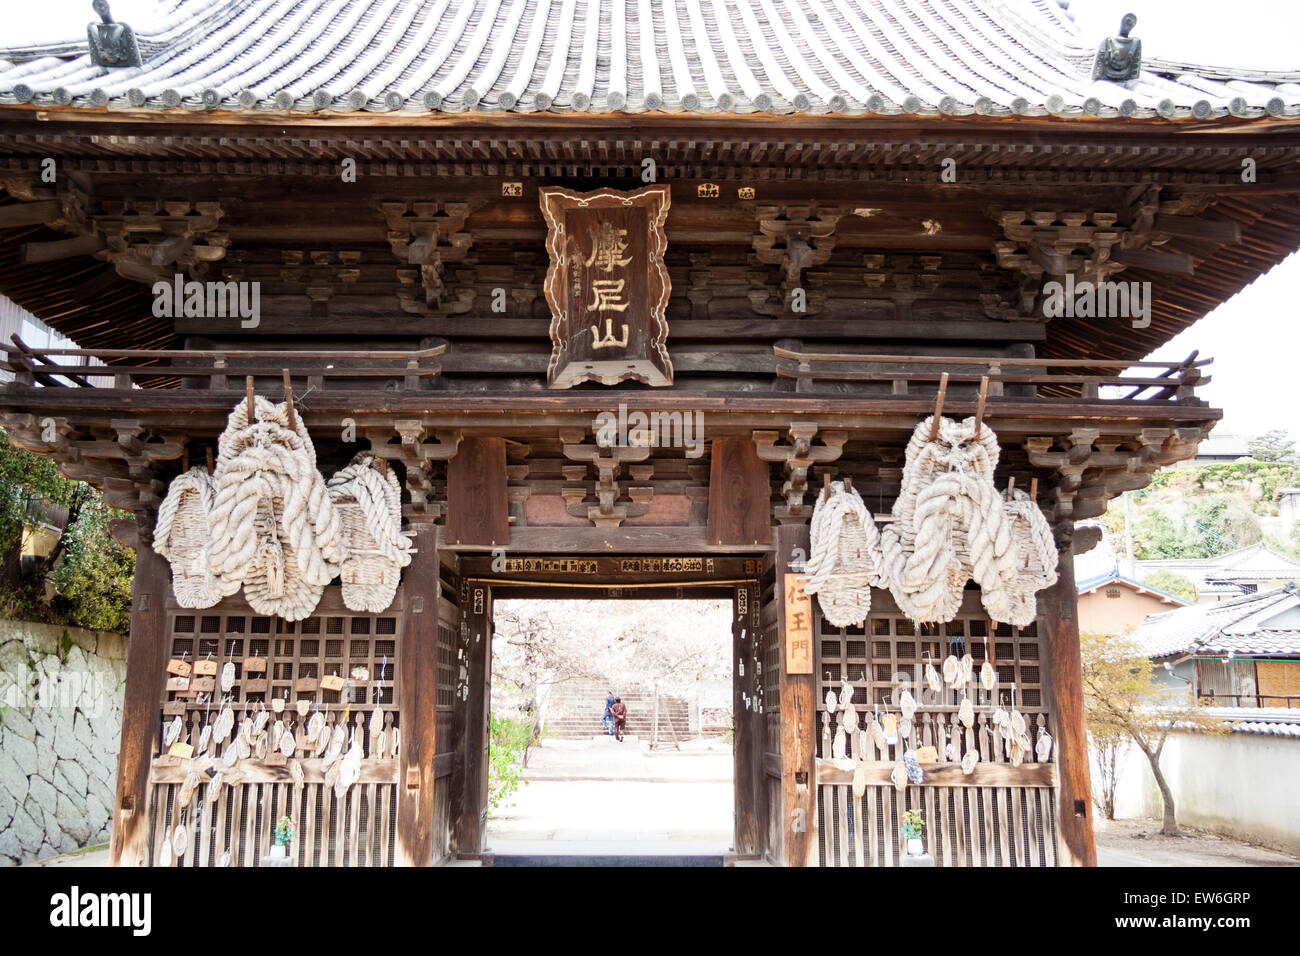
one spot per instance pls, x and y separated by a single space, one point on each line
469 774
747 739
478 509
142 708
417 674
798 723
1058 623
739 494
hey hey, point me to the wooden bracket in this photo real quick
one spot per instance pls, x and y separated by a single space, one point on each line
797 458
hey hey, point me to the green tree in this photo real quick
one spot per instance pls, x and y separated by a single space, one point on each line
1225 524
1155 535
1171 583
508 742
1271 446
1122 698
91 572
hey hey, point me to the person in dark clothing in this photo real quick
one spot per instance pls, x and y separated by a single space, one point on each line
619 713
607 719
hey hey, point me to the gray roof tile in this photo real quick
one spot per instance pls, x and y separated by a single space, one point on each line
950 57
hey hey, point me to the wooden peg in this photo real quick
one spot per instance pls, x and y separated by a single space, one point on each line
848 483
185 459
1011 485
1033 490
208 452
979 408
826 485
248 394
938 405
288 400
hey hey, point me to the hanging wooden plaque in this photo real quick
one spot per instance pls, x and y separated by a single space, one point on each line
607 285
798 626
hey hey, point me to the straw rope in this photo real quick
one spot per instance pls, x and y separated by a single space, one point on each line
370 507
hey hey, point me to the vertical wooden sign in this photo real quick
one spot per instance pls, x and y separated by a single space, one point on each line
607 285
798 626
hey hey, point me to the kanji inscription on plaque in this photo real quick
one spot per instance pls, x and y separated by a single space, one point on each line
607 285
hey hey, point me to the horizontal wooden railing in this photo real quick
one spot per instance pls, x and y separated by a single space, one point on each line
1082 379
127 367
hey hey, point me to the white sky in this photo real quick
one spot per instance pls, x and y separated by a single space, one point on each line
1254 338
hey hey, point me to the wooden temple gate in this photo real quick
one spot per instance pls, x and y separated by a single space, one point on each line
503 283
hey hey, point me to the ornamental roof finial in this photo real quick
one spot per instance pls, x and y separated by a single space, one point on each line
1119 59
111 44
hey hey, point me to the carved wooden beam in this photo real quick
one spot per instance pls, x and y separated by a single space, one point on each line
428 235
797 457
149 239
796 237
608 512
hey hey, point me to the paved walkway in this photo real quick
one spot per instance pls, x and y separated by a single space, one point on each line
1140 843
602 796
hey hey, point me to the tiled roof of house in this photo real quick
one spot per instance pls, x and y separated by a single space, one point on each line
1113 576
1238 626
957 57
1256 562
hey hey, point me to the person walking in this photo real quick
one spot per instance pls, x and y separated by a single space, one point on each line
607 719
619 713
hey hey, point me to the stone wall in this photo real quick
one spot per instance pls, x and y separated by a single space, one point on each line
62 690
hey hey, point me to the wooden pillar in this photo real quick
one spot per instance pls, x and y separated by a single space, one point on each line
469 774
417 675
146 677
798 723
747 740
1058 622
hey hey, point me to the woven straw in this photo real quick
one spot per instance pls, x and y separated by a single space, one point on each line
845 556
370 507
181 536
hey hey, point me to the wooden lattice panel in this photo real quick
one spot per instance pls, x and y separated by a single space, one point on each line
1000 815
280 660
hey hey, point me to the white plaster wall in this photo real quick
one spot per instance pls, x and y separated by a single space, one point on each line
59 737
1241 785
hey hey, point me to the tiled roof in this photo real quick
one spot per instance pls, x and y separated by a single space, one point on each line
958 57
1091 584
1234 625
1256 562
1269 728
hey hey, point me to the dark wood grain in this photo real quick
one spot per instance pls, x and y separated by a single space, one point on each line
417 675
1058 620
141 718
477 507
739 494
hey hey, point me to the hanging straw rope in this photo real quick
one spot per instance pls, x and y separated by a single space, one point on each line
370 507
845 556
949 525
181 536
274 528
1032 540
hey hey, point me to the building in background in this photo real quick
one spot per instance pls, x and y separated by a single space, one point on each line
1240 652
1245 571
